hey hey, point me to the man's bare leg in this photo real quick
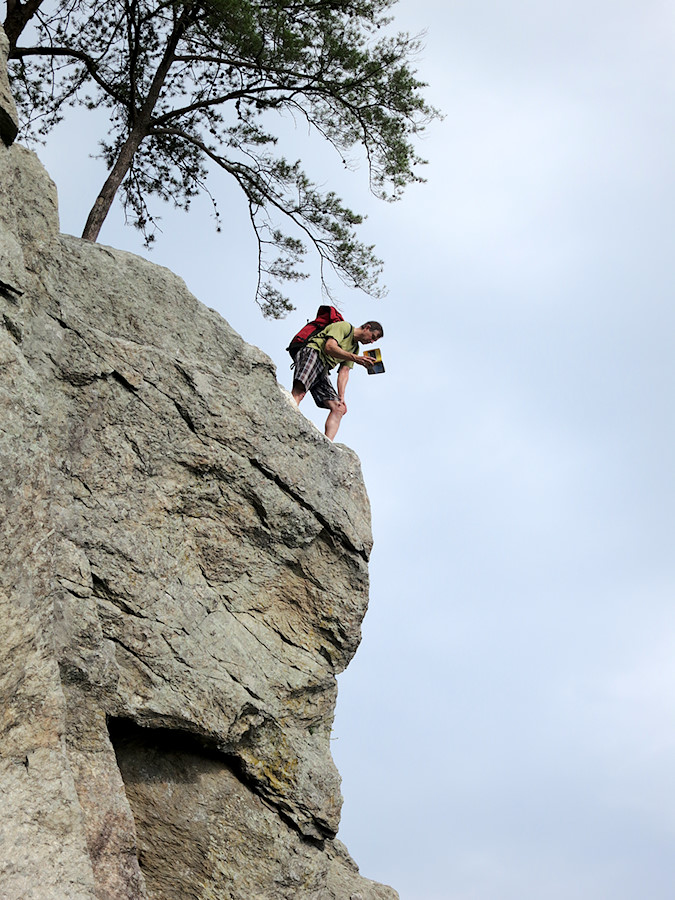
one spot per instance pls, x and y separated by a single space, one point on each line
337 410
298 391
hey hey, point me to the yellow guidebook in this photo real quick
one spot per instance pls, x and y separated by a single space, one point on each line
379 365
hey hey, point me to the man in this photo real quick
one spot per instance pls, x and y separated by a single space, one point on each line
335 345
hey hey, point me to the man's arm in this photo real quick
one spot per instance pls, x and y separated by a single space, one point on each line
333 349
342 379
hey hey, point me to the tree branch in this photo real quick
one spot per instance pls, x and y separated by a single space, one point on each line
91 64
244 175
240 94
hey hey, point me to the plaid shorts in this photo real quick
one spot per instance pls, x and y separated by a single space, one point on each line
313 376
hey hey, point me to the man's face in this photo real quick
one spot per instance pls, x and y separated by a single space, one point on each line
369 337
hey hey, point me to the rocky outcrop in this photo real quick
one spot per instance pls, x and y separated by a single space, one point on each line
9 123
184 574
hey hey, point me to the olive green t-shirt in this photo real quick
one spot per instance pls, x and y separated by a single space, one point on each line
343 333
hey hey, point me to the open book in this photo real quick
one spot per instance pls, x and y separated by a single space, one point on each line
378 368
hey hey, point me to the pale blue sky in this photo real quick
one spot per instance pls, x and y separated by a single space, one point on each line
507 728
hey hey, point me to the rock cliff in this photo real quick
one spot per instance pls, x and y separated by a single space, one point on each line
184 574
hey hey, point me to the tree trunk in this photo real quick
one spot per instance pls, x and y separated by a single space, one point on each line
142 120
18 16
103 202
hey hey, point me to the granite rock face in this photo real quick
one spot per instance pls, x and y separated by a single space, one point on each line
184 574
9 124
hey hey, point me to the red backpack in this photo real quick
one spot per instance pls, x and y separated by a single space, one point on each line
326 315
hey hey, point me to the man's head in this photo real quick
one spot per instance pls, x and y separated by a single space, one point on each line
369 332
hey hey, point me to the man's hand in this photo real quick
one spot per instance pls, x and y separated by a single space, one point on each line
366 361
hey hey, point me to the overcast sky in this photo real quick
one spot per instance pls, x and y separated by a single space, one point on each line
507 729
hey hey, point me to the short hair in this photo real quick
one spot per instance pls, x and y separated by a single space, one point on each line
374 326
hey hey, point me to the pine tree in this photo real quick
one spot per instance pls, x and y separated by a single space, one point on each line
194 82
